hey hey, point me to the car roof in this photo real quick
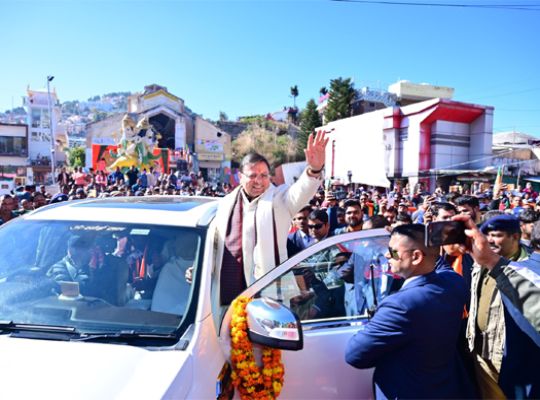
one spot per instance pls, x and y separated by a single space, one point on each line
188 211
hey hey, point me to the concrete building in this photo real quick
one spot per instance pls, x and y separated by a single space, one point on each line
42 145
409 93
368 100
210 145
212 148
14 153
430 141
518 152
401 93
165 112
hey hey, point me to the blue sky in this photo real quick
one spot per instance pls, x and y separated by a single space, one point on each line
241 57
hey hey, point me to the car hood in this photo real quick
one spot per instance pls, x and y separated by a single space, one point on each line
43 369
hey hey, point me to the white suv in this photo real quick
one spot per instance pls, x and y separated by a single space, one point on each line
94 305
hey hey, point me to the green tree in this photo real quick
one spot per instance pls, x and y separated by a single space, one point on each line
99 115
342 94
223 117
309 120
277 149
77 157
294 94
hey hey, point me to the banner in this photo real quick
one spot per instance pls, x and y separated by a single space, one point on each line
102 158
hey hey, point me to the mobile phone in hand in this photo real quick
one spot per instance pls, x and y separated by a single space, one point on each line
445 232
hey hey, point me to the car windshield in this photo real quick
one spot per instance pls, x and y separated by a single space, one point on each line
96 277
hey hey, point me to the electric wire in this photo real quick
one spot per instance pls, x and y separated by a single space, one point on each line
520 7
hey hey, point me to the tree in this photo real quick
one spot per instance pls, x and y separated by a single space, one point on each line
77 157
223 116
277 149
309 120
99 115
341 95
294 94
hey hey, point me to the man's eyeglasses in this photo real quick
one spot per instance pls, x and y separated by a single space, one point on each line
253 177
394 253
315 226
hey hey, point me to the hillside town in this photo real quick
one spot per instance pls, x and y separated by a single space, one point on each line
454 140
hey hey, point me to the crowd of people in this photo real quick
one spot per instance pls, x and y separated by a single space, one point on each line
78 183
497 356
494 310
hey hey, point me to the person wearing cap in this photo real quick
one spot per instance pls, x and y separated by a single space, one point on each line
24 192
59 197
486 326
517 326
403 208
528 204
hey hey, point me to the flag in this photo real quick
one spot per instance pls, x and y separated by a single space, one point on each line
498 182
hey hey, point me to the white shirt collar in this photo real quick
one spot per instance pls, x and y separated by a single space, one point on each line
409 280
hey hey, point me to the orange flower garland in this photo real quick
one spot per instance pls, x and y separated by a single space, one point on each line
251 382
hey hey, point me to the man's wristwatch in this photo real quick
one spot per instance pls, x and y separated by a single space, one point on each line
314 172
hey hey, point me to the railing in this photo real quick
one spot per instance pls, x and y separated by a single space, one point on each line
41 161
14 153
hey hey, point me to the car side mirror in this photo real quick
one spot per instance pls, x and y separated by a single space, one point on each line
273 325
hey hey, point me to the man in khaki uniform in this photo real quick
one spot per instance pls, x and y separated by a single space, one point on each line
486 326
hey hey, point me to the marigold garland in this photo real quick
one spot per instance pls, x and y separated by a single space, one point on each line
247 376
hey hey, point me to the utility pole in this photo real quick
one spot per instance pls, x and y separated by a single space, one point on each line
53 161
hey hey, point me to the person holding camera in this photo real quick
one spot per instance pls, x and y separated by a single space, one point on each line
504 323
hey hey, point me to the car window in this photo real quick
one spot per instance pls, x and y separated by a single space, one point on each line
95 276
340 281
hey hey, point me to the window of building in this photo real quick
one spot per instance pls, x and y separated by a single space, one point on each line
45 120
36 118
16 146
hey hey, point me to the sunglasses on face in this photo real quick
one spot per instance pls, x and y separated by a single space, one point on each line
394 253
315 226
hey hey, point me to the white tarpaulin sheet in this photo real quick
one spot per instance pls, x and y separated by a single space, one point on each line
358 146
292 171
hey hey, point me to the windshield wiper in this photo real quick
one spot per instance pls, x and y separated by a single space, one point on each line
10 326
122 335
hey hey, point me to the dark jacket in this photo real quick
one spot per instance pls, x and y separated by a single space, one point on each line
519 285
295 243
411 340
